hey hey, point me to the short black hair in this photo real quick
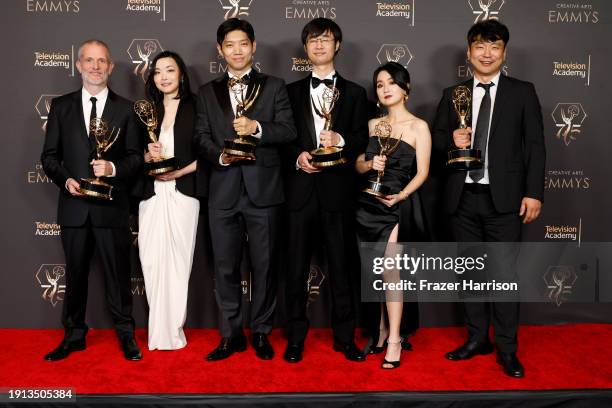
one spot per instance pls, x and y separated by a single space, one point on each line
184 90
318 26
234 24
398 72
488 30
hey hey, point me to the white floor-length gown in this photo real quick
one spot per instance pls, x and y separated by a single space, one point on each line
167 233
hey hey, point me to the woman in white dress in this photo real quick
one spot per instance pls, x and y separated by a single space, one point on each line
168 213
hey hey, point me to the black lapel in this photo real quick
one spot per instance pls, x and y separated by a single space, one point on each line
498 106
223 98
307 106
78 107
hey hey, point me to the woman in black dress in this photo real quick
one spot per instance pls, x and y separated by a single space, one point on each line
379 218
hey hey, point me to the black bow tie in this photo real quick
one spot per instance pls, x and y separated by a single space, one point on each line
316 82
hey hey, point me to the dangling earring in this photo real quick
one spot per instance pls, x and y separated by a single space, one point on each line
182 80
378 104
405 98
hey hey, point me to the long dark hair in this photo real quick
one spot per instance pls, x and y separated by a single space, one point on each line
184 90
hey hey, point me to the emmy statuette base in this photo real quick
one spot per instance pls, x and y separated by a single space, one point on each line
96 188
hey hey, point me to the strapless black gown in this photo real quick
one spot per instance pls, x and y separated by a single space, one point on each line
375 221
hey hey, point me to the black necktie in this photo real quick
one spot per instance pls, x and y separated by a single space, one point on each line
482 130
94 113
317 81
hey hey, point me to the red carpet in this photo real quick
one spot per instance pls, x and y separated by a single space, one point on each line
555 357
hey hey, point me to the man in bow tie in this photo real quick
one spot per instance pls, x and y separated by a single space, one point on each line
321 202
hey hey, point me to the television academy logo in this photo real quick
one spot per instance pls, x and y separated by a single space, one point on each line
55 59
573 13
147 6
43 106
568 118
559 232
46 229
309 9
399 53
573 69
299 64
560 280
141 52
396 9
486 9
233 8
50 278
53 6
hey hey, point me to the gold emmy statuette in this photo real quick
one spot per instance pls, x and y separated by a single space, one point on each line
96 187
146 112
332 155
463 159
388 145
244 145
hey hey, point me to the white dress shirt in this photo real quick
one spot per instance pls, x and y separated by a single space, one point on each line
477 95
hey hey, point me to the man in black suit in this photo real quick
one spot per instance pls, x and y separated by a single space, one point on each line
487 205
244 195
321 202
87 223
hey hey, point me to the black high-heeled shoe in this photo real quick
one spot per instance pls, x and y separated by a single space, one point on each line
393 364
406 346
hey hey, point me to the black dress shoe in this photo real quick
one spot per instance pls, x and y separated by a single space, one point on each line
511 365
469 350
130 349
293 353
64 349
227 347
263 348
350 350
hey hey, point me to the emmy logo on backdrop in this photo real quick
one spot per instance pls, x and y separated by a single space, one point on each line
567 131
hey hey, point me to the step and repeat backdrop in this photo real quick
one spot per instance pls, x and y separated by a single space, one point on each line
563 47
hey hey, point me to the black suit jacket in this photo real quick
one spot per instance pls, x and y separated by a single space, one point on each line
68 151
185 151
516 145
262 178
349 118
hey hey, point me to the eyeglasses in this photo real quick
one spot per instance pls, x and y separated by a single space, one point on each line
322 41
